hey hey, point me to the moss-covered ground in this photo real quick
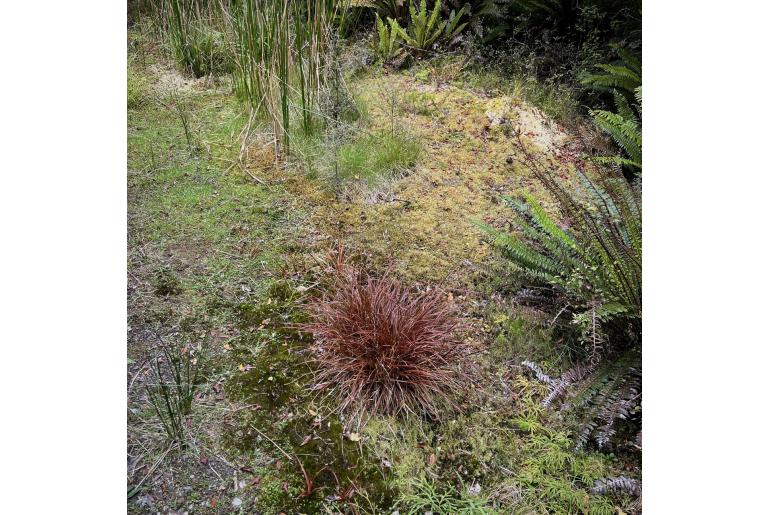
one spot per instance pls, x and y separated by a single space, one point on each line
222 251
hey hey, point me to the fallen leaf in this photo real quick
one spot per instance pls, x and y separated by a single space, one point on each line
432 459
204 460
256 480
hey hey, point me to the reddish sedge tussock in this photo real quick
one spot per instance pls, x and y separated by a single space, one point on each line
381 348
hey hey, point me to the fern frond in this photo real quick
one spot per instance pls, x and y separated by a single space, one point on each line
453 27
614 77
620 484
388 45
625 132
622 106
539 374
638 97
629 60
615 160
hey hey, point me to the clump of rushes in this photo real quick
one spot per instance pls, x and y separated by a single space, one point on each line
176 377
382 348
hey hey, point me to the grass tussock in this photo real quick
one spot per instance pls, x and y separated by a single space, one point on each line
377 155
382 348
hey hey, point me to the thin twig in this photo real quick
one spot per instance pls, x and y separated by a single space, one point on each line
272 442
155 465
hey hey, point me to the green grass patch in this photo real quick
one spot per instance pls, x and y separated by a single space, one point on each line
217 225
376 156
136 88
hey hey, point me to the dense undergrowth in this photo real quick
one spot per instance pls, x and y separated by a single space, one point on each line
280 139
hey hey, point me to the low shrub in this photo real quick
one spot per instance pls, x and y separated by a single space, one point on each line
382 348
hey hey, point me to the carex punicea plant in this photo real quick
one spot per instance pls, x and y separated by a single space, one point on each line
381 347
